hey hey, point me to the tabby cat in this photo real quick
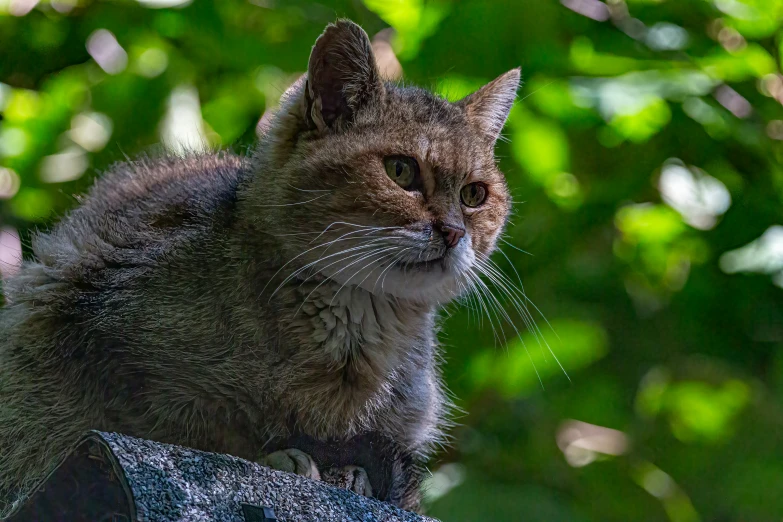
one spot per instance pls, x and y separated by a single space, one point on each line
242 304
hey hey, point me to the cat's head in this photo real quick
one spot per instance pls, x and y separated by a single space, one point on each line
390 188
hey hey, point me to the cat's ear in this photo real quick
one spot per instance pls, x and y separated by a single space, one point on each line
488 107
342 76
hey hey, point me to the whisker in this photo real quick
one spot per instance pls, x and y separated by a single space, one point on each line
515 247
332 278
379 261
388 268
301 254
480 298
519 335
521 307
360 254
352 225
291 276
358 271
503 282
524 296
326 229
532 93
519 279
310 190
294 204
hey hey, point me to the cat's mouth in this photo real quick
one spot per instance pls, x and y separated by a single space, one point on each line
423 264
438 260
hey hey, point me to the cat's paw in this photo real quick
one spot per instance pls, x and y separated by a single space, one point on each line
293 461
352 478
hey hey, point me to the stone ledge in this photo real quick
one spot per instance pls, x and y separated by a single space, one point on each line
111 475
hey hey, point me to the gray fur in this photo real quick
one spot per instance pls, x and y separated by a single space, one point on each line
170 305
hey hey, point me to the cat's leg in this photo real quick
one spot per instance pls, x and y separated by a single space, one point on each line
352 478
293 461
405 492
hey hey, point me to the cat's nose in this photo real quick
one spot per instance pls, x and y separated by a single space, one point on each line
451 233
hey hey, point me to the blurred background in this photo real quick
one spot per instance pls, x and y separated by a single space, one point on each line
644 155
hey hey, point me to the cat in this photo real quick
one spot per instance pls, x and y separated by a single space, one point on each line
236 304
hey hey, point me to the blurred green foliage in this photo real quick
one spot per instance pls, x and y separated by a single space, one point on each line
645 158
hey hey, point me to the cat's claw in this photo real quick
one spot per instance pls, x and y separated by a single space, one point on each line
293 461
352 478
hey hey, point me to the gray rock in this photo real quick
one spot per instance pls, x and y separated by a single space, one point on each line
113 477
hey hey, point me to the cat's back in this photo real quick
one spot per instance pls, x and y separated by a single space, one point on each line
138 215
146 203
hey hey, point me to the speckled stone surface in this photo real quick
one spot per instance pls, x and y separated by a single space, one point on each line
171 483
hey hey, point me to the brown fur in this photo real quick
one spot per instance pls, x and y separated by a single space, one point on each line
176 302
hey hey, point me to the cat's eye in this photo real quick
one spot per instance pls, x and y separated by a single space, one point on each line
473 194
403 170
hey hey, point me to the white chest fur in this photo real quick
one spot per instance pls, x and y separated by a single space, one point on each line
387 346
345 320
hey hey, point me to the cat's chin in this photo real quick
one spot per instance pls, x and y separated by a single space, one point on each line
435 282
